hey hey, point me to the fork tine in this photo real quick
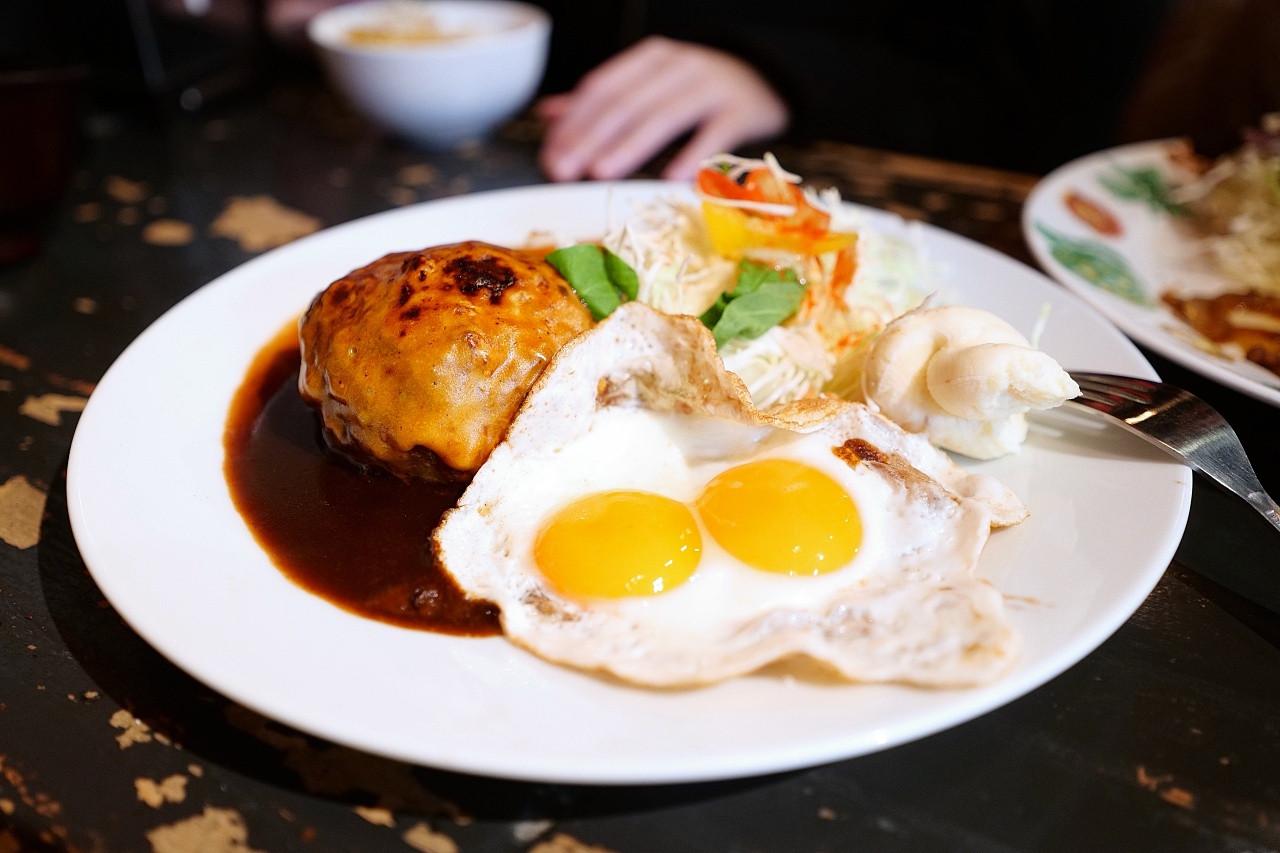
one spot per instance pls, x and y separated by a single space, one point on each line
1183 425
1115 380
1137 391
1100 400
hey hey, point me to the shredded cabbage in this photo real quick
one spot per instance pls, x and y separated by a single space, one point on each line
783 364
817 350
666 243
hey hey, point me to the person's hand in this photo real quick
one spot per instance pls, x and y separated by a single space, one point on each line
627 109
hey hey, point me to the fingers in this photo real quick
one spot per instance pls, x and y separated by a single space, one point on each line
628 109
628 131
595 108
630 150
624 72
712 137
552 107
739 120
721 117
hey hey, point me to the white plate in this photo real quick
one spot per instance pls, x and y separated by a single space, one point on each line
154 521
1149 246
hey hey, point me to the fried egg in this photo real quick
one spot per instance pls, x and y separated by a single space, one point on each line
643 519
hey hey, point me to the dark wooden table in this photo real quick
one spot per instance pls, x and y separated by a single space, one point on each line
1166 738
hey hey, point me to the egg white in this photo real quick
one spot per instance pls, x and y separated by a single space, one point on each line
640 403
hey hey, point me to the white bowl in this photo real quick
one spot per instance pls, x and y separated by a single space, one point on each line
438 92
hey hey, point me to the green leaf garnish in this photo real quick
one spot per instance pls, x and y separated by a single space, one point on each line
762 298
752 315
622 276
599 277
712 315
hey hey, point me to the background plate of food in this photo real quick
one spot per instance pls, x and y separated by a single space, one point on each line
1180 253
162 534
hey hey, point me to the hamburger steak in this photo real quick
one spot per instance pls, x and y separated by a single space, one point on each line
418 362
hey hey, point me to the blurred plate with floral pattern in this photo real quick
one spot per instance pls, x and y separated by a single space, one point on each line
1108 227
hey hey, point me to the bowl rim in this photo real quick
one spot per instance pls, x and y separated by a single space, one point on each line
537 19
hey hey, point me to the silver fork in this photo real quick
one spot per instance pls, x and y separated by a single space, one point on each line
1182 425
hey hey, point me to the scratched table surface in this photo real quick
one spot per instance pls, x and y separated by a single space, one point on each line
1165 738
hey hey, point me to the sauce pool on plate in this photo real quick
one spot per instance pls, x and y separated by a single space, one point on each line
359 540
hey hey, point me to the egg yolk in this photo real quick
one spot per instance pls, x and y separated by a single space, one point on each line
782 516
619 543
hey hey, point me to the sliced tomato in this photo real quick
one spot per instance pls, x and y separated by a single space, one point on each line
759 185
807 230
713 182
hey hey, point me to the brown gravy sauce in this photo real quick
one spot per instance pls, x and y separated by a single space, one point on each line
360 541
